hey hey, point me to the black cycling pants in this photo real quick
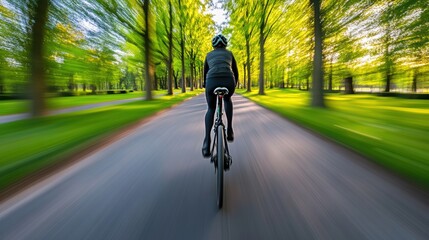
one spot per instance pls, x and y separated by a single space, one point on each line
211 98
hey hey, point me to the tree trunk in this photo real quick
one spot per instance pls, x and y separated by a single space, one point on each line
388 65
387 43
244 74
307 83
198 71
317 99
192 76
261 60
182 21
148 48
414 84
288 80
282 82
170 51
182 57
388 81
37 61
156 80
249 83
330 73
1 81
175 76
348 85
196 82
71 83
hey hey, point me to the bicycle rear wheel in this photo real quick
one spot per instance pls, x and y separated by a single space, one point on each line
220 163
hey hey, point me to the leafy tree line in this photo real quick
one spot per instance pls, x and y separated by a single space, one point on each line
375 45
89 46
71 57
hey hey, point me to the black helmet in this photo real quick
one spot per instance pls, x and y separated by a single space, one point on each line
219 41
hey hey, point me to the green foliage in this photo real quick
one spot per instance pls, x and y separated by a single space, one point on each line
368 40
91 44
95 45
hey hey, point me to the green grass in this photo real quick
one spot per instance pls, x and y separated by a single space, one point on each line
67 102
30 145
393 132
21 106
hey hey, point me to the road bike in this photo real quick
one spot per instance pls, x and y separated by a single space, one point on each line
220 158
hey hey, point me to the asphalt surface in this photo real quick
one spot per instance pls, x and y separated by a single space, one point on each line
284 183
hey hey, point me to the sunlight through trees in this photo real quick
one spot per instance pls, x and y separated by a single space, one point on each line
58 47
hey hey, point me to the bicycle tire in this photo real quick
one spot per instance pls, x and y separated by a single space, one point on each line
220 163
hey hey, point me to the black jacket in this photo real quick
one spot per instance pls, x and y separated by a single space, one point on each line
220 63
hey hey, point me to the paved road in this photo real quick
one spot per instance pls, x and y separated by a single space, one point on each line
21 116
285 183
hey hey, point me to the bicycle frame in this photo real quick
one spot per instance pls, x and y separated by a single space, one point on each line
222 160
219 122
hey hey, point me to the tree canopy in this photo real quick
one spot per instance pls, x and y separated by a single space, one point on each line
95 46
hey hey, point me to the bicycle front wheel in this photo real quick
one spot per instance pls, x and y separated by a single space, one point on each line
220 161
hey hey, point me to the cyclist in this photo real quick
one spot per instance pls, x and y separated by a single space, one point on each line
220 70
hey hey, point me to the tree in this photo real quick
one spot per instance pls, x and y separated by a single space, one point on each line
243 23
37 60
170 49
149 65
17 19
164 36
415 39
4 15
317 99
388 41
386 27
183 19
265 8
134 22
198 36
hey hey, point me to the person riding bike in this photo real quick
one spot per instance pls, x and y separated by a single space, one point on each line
220 70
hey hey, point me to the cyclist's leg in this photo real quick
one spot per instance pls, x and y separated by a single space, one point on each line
229 112
209 118
211 109
229 115
228 109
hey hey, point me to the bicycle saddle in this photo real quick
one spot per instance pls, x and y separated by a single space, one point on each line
221 91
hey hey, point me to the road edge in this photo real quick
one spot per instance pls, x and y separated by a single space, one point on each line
405 184
79 154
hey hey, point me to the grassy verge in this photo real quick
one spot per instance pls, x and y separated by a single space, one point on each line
392 132
30 145
20 106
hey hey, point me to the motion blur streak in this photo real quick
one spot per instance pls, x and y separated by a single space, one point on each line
285 183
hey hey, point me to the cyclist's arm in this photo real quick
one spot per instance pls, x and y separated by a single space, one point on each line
206 69
235 70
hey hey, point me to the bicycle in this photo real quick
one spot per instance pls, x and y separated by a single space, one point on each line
222 159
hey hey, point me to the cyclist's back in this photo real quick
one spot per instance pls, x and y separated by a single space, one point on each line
218 71
219 62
